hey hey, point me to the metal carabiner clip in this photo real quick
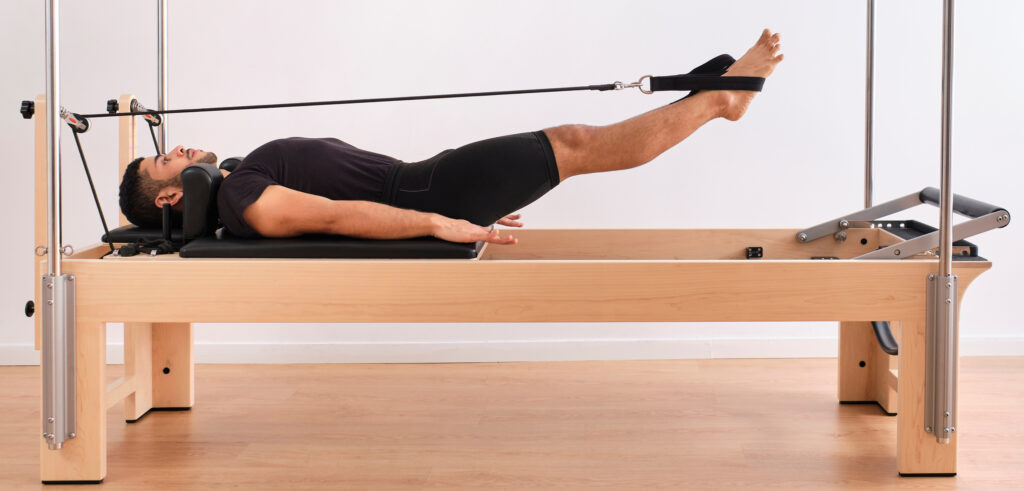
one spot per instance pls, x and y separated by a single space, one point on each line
639 84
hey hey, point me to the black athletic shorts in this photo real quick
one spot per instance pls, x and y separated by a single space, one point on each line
480 182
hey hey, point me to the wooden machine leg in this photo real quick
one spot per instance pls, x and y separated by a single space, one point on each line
866 373
173 366
138 367
917 452
83 459
159 367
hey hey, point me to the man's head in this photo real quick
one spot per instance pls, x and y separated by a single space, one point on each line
150 182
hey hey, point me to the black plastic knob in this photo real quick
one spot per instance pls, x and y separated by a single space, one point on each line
28 108
112 106
30 308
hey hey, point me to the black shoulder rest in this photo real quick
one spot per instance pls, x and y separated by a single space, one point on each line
200 183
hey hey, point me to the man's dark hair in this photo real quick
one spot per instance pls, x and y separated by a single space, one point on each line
138 196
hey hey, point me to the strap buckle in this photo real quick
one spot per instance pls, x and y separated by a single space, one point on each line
639 84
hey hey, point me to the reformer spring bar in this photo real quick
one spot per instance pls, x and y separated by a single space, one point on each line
984 217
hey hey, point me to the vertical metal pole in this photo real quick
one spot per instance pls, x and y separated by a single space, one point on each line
869 103
53 210
162 71
58 292
946 202
942 333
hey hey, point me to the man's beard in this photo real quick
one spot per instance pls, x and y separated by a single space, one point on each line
209 158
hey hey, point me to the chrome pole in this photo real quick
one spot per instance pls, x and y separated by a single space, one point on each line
941 329
161 70
57 353
868 106
946 203
53 209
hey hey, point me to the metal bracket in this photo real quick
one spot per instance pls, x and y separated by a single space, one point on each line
58 359
941 340
930 241
833 227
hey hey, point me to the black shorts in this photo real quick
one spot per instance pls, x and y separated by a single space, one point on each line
480 182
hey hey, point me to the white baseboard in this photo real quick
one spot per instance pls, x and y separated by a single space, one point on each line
543 350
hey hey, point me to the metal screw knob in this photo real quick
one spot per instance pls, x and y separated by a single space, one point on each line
928 429
50 419
71 435
802 237
897 252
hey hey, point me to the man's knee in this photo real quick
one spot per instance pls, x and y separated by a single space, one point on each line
570 144
572 137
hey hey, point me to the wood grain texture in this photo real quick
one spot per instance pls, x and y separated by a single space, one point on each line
671 424
83 458
138 364
280 290
39 236
173 349
126 139
875 381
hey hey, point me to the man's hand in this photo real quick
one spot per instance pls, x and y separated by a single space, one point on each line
511 221
462 231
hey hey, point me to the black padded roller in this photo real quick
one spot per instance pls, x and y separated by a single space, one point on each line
962 205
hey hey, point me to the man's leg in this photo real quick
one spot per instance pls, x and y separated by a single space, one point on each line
581 149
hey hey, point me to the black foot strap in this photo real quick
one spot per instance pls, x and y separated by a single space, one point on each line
708 77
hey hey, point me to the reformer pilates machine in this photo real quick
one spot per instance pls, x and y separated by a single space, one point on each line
550 276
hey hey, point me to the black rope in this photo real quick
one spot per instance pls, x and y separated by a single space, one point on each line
155 144
352 101
96 198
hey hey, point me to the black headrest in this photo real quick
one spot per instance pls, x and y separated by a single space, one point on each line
200 183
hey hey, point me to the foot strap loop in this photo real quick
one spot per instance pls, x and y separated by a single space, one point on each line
692 81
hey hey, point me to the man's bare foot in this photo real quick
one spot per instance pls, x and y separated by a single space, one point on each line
759 61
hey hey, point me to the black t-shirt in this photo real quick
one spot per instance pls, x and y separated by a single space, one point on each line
325 167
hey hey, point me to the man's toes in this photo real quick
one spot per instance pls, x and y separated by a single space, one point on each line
779 58
776 38
775 49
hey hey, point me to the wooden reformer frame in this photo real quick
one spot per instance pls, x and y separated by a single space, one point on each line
550 276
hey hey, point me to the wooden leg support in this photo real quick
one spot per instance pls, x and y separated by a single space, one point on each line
917 452
866 373
83 459
138 366
174 370
160 358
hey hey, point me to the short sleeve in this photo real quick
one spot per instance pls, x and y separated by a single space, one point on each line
239 190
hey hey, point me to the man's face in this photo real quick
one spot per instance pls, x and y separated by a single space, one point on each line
170 164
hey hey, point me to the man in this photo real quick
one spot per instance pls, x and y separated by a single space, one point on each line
296 186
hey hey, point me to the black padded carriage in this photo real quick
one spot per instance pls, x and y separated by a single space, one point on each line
202 236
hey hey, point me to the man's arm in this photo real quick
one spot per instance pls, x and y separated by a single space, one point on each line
284 212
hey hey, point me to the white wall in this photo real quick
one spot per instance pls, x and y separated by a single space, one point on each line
795 160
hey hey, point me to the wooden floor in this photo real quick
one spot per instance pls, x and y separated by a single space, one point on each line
680 424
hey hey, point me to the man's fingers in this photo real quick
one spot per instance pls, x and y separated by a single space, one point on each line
495 238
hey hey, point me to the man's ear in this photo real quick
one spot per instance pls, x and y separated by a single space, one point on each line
169 195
